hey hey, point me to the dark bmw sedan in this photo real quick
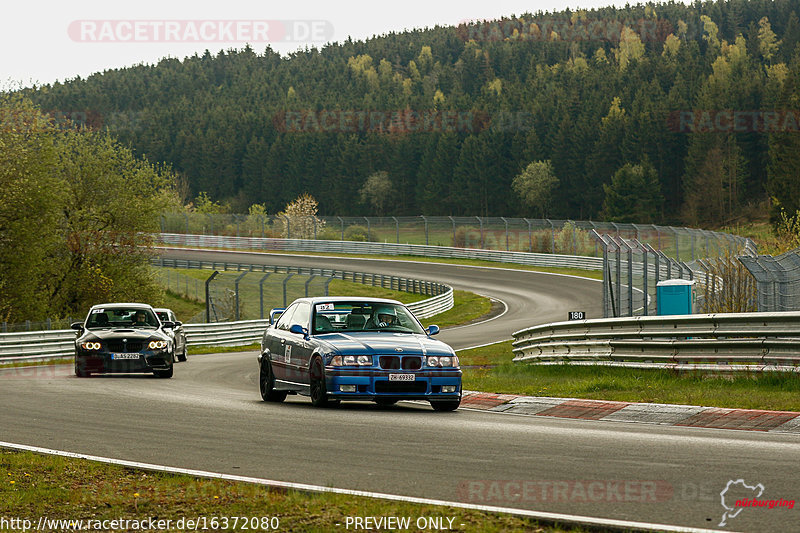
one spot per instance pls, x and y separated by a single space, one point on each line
343 348
123 338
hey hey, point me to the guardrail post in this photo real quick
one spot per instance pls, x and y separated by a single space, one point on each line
236 289
397 228
186 216
327 282
208 295
368 229
552 236
646 274
285 281
574 240
506 223
530 237
480 221
341 221
454 229
308 281
288 229
261 293
677 244
426 228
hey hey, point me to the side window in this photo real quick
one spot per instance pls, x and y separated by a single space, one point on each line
286 317
302 315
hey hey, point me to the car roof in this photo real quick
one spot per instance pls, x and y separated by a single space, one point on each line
122 304
162 310
334 299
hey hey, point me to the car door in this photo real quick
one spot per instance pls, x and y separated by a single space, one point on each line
275 341
301 347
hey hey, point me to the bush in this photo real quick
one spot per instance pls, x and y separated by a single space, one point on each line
356 233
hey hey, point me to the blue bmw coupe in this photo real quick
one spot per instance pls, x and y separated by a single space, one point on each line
342 348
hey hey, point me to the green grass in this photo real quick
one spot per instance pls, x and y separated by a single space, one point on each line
771 390
348 288
197 350
184 308
467 307
33 485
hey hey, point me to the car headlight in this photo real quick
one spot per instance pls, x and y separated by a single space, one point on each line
90 345
444 361
352 360
157 345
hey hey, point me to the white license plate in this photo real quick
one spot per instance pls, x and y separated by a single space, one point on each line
117 356
402 377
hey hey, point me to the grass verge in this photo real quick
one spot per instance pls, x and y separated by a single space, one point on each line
770 390
34 486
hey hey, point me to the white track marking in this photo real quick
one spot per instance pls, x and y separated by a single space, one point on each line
538 515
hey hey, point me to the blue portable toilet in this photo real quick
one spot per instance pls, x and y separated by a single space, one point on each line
675 297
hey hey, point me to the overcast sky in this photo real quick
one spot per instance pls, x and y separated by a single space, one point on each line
47 41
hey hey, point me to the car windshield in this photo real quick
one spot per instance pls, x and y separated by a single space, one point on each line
364 316
130 317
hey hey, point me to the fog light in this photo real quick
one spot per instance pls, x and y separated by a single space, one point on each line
448 388
347 388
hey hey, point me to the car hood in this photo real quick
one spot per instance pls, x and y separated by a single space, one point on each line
123 333
368 343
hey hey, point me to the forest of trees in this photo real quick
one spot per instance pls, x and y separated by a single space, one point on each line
441 121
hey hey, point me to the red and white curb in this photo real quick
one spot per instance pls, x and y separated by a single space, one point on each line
643 413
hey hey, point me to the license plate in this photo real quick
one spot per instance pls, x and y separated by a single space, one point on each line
118 356
402 377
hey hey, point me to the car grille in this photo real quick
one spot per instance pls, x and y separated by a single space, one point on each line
394 362
401 386
123 347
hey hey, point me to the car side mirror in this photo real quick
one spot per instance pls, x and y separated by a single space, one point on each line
432 330
78 326
178 323
167 324
299 330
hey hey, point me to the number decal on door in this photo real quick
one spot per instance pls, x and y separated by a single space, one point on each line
287 355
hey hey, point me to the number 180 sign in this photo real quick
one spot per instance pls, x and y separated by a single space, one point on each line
576 315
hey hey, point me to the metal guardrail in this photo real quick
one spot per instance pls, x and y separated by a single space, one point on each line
374 248
741 338
44 345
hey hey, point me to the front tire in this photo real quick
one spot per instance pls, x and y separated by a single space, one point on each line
164 374
318 392
182 355
266 383
80 371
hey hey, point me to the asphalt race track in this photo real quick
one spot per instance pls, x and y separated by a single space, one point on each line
210 417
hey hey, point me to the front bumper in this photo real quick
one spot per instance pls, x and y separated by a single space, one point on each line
371 384
104 362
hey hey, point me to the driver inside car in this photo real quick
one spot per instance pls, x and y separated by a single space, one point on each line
382 317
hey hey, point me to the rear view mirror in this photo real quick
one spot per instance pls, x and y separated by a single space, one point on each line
432 330
167 324
77 326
